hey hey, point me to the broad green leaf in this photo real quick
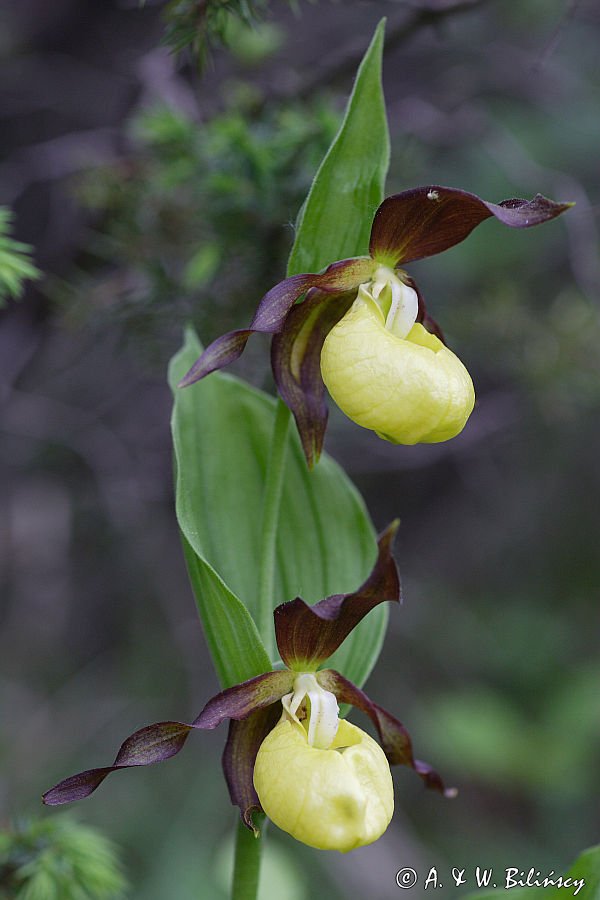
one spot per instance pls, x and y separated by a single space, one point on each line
335 220
232 637
585 869
222 431
325 544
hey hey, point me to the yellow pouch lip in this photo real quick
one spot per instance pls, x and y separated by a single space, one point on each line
408 390
335 799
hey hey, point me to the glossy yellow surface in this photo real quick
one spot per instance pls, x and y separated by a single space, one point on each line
335 799
409 389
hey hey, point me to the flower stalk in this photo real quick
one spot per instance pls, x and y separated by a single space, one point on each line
247 862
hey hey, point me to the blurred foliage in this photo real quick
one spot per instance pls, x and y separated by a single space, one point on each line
58 859
15 264
196 220
199 26
547 349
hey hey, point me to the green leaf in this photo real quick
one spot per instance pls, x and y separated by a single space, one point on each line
325 543
586 868
232 637
335 220
222 431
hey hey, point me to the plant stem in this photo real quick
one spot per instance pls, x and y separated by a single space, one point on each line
246 869
269 525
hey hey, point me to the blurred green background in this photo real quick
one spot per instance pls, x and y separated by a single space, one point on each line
155 192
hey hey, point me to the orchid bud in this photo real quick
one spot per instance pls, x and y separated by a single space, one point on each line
389 374
334 799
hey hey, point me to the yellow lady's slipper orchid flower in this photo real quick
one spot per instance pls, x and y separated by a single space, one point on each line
334 799
400 381
389 374
320 778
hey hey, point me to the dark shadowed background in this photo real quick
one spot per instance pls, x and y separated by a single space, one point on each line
154 193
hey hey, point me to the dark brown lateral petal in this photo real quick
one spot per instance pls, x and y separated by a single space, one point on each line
223 351
272 310
308 635
296 363
428 220
243 743
394 737
159 742
239 701
149 745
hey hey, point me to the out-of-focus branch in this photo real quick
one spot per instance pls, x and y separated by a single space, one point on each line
340 63
57 158
472 121
556 36
49 420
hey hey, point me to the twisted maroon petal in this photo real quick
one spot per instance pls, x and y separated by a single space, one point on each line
394 737
296 363
159 742
149 745
272 310
308 635
430 219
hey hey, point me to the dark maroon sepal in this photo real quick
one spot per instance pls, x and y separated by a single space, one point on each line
427 220
308 635
243 743
272 310
394 737
296 364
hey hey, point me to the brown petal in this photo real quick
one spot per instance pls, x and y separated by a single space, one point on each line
296 364
149 745
394 737
158 742
243 743
428 220
308 635
241 700
272 310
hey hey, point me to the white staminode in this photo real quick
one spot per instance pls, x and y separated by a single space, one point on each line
324 710
404 305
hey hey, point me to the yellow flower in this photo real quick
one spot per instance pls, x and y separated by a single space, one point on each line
407 390
387 373
334 799
323 780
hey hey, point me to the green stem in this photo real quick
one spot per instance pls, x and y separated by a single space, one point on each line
269 525
246 869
